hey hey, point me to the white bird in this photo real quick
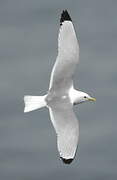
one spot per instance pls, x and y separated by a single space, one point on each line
61 95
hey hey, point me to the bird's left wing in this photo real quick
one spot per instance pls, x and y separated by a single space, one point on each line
67 128
68 55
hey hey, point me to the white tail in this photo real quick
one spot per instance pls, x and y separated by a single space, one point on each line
34 102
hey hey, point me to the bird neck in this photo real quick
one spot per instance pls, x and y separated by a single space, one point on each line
75 96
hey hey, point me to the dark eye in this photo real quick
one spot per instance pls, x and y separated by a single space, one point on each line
85 97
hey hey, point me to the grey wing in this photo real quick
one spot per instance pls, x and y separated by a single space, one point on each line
67 128
68 55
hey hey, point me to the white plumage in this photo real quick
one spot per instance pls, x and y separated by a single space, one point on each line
61 95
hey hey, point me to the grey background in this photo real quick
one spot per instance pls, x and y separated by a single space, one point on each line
28 48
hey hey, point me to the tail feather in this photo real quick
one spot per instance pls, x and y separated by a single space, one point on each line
34 102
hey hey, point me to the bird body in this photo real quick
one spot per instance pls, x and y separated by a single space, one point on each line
61 95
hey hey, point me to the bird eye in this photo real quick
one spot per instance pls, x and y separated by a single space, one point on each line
85 97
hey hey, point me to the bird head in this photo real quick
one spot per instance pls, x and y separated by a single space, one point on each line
83 97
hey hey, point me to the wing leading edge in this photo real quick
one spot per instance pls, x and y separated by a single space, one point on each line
68 55
67 129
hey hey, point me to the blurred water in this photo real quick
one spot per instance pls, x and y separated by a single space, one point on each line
28 48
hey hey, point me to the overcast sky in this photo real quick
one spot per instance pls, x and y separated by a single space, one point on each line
28 49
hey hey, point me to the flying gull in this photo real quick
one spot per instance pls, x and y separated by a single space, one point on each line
61 95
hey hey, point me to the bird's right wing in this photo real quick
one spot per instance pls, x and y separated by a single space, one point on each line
68 55
67 128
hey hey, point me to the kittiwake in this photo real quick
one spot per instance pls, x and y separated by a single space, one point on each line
61 95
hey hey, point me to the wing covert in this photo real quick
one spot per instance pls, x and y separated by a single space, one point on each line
67 128
68 55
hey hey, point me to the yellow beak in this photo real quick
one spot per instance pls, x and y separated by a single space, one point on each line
92 99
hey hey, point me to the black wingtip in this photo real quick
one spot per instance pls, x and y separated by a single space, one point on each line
65 17
66 161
